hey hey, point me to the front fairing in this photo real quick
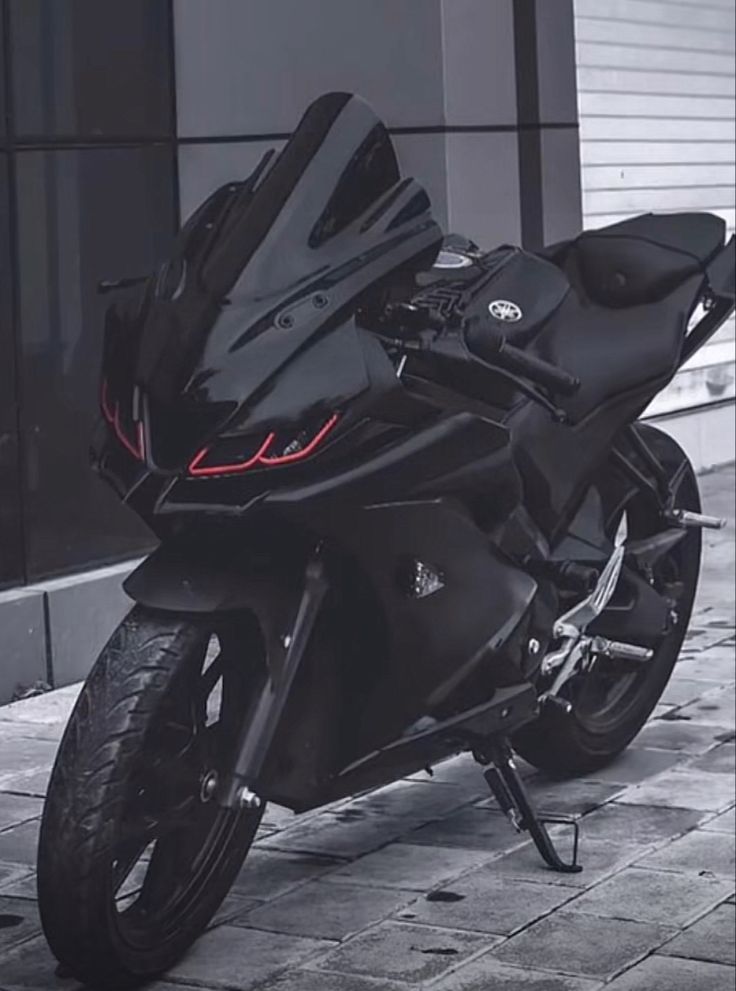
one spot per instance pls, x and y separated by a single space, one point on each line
269 270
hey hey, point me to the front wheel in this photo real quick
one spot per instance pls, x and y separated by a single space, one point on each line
135 855
611 702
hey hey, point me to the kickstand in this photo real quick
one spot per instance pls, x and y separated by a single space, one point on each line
506 784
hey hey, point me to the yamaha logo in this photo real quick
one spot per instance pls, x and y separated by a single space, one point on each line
505 311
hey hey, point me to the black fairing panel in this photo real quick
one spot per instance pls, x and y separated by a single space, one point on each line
438 641
613 353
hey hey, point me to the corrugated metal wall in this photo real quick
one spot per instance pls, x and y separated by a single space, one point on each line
657 114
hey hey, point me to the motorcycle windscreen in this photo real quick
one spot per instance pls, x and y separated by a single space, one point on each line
286 259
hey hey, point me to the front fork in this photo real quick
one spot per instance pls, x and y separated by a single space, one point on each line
258 734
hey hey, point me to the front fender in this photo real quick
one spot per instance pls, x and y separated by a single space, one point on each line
209 575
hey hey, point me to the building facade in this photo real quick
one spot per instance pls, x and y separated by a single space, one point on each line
117 118
657 96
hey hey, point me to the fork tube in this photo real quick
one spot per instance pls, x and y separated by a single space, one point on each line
258 735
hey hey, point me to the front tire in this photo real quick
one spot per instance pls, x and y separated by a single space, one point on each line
134 855
598 729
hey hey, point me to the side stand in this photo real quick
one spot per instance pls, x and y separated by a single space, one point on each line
506 784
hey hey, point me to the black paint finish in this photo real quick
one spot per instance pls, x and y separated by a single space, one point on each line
296 383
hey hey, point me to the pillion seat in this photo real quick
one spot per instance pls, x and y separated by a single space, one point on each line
641 260
634 287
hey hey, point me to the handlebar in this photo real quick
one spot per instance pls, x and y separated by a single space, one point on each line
493 348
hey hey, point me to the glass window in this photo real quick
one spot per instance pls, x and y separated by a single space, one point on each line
11 563
2 79
83 216
90 69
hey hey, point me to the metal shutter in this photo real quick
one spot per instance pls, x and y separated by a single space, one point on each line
656 91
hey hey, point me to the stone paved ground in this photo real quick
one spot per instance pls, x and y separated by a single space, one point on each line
423 885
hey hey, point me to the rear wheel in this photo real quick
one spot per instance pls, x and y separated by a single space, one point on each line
135 854
613 699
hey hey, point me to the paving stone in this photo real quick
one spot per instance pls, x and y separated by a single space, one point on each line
32 783
486 902
233 907
22 756
572 796
353 835
681 690
268 875
702 638
229 957
640 824
714 665
327 911
31 967
276 817
720 760
19 921
10 874
413 868
724 823
583 945
49 709
413 954
18 730
20 843
489 974
697 853
667 974
599 858
652 896
684 789
470 829
15 809
23 887
711 938
419 801
634 765
717 707
680 736
303 980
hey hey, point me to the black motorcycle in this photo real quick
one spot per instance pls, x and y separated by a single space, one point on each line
405 510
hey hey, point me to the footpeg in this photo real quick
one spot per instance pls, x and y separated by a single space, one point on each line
505 782
548 701
685 518
615 650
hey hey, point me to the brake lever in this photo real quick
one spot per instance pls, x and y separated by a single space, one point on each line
451 348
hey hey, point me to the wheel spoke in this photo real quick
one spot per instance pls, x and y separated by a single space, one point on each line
129 853
211 676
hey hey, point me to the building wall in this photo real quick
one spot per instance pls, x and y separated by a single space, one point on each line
117 118
657 92
449 77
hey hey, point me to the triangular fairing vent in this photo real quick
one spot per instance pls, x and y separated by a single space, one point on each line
290 254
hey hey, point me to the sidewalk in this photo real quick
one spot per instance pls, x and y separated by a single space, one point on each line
424 884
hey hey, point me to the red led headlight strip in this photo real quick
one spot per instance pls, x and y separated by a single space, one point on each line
137 447
261 456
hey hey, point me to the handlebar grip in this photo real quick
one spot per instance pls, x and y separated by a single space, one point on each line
540 371
492 347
